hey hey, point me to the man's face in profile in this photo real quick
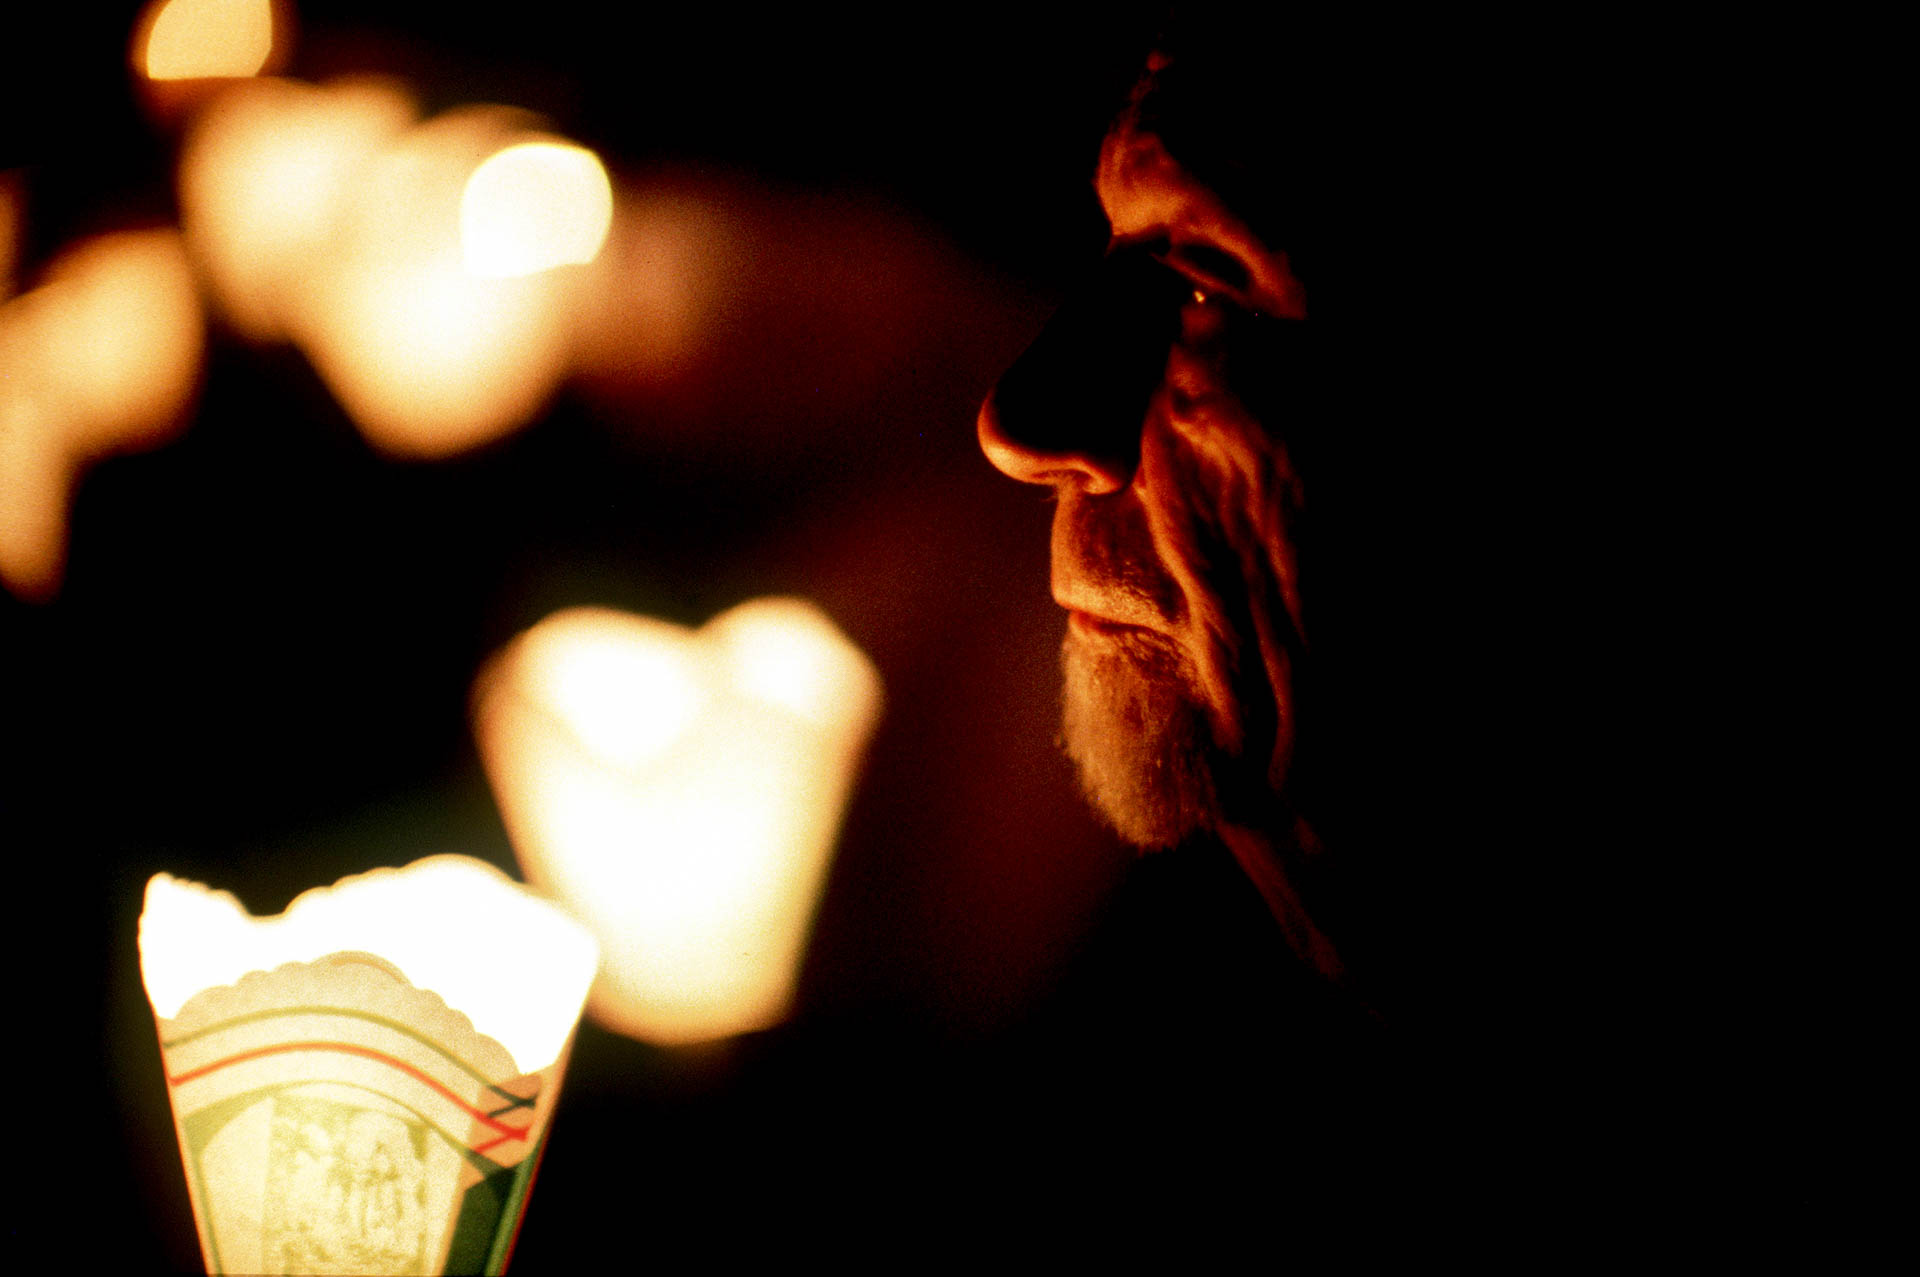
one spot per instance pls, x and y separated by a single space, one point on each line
1158 407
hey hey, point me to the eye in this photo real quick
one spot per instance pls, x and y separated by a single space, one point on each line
1203 281
1209 305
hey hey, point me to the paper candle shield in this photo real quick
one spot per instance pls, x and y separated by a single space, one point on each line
335 1116
681 792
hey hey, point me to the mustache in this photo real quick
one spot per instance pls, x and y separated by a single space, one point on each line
1104 553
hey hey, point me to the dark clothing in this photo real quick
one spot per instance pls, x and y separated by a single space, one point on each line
1190 1088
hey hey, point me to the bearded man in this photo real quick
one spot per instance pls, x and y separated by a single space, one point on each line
1181 410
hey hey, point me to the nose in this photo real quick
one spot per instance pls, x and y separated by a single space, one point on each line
1070 410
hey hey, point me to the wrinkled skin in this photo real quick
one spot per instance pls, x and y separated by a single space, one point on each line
1158 408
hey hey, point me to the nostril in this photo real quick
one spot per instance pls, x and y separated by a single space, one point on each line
1061 468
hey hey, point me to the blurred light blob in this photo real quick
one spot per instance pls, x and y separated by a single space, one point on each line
652 289
534 206
682 792
102 357
264 180
36 488
123 339
628 690
429 358
197 39
414 264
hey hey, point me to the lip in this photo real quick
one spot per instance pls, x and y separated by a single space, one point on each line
1093 625
1100 593
1101 605
1089 623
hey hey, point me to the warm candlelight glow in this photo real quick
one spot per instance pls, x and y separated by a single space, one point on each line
628 685
264 181
533 206
11 216
496 953
102 357
788 654
415 264
429 358
363 1083
682 792
122 339
654 287
192 39
36 487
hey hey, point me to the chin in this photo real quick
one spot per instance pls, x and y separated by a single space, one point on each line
1135 730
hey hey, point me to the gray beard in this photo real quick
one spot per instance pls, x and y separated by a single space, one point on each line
1139 738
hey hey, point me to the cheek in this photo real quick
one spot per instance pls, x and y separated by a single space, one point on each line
1200 483
1223 452
1188 509
1216 489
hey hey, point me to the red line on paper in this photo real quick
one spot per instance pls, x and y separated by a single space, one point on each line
348 1048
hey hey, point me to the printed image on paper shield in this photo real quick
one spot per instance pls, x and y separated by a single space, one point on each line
364 1083
681 790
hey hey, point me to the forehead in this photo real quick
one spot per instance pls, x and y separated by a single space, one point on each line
1248 100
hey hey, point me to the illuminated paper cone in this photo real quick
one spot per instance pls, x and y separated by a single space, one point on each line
364 1083
681 791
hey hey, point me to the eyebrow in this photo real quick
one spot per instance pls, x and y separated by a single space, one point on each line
1222 266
